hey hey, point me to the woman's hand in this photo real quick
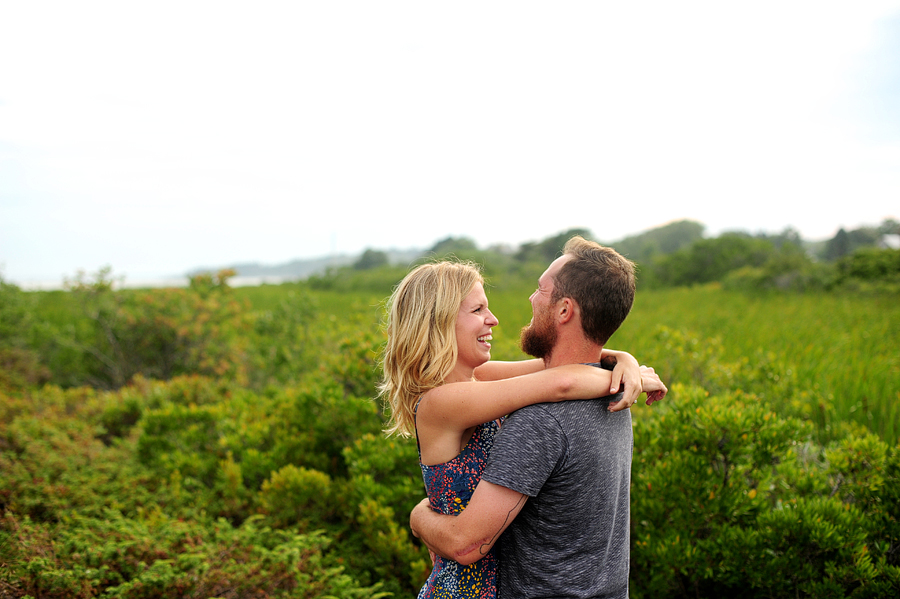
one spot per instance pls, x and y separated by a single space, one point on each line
652 385
627 374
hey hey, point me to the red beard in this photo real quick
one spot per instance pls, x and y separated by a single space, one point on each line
539 337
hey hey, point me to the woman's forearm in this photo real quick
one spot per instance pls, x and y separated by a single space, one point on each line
496 370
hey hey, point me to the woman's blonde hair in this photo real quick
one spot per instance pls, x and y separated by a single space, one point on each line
421 348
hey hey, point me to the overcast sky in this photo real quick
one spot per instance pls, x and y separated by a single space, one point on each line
156 137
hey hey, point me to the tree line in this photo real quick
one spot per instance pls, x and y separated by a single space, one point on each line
678 254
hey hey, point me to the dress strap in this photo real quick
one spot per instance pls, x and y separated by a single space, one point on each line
415 415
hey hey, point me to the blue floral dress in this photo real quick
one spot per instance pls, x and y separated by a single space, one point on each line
449 487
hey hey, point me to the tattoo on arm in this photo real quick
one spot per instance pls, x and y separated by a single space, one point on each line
485 547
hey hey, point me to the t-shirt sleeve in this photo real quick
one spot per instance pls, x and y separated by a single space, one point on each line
526 451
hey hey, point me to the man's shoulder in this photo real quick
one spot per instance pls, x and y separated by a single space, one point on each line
534 413
561 416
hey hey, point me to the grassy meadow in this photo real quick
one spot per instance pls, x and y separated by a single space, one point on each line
840 350
245 457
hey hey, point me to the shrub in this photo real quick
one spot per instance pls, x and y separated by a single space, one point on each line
708 260
871 264
159 333
297 496
156 556
729 499
287 344
20 365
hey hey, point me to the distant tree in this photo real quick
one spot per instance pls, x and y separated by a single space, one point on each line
788 236
550 248
889 227
19 363
666 239
453 245
870 264
158 333
845 242
371 259
711 259
838 246
14 315
863 237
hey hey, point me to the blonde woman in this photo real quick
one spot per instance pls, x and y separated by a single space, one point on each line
442 387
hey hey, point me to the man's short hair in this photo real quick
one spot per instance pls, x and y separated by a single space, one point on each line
601 281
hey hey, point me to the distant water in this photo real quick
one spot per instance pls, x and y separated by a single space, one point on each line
158 282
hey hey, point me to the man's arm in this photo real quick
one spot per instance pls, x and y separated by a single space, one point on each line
468 537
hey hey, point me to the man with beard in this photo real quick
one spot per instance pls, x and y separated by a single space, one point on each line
558 477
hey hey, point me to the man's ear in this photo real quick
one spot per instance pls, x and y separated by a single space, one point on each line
565 310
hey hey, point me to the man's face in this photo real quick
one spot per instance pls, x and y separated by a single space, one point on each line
539 337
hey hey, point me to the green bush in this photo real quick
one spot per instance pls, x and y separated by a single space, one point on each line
730 499
707 260
869 269
297 496
53 461
156 556
159 333
275 479
20 364
287 340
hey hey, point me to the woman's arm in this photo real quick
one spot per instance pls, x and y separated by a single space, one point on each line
625 372
624 367
653 385
459 406
496 370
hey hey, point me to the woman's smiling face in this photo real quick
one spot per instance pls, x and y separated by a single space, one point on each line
473 333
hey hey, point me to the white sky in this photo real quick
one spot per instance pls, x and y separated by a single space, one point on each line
157 137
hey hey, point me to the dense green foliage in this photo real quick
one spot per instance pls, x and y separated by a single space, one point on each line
731 500
834 355
211 441
160 333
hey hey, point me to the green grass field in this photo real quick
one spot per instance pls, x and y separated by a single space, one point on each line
279 475
842 349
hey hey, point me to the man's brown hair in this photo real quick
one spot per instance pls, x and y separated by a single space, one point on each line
601 281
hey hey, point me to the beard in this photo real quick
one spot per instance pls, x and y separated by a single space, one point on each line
539 337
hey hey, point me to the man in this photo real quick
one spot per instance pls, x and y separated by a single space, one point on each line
558 477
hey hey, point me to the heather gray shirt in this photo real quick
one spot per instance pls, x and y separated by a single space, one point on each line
573 460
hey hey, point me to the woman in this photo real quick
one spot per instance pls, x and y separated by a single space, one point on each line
441 386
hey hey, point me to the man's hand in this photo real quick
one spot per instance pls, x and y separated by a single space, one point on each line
414 518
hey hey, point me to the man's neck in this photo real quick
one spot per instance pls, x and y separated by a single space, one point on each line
574 353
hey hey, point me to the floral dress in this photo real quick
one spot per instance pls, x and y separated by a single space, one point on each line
450 486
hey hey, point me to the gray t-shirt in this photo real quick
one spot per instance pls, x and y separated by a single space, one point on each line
571 539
